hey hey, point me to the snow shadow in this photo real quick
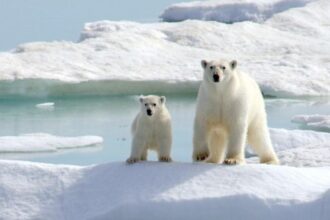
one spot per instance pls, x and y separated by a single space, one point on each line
108 187
227 207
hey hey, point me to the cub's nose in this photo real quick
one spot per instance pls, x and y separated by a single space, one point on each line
149 112
216 78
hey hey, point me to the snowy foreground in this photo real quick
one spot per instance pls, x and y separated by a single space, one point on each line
163 191
152 190
42 142
288 55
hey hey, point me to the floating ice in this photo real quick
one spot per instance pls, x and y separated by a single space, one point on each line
46 105
42 142
318 122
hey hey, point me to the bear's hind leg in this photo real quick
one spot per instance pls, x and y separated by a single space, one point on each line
258 138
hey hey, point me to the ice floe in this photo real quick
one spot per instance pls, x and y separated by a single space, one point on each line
317 122
42 142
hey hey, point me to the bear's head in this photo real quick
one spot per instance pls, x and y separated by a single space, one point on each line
151 104
218 71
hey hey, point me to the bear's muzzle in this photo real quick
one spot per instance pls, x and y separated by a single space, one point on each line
149 112
216 78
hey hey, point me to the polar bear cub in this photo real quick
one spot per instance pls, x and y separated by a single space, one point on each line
230 112
151 129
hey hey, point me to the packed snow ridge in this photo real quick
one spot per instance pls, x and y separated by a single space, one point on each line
42 142
153 190
229 11
288 55
317 122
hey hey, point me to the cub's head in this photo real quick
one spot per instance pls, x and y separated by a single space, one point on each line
151 104
218 71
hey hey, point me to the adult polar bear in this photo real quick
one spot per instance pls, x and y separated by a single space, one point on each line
230 112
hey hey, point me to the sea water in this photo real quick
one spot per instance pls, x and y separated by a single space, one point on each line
111 116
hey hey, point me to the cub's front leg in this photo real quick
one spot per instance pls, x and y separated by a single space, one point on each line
165 145
137 150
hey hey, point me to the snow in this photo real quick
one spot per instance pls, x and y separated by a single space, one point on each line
284 139
317 122
42 142
229 11
288 55
298 148
153 190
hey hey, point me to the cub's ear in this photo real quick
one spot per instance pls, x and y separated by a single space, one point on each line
163 99
141 98
204 63
233 64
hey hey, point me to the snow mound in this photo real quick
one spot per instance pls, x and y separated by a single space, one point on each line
283 54
314 155
298 148
317 122
284 139
229 11
42 142
163 191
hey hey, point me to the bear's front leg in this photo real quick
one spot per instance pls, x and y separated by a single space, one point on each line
236 145
201 151
217 147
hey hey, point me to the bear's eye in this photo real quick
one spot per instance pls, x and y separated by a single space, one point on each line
146 104
154 104
223 67
211 67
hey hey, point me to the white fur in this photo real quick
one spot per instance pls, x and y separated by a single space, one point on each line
230 113
151 132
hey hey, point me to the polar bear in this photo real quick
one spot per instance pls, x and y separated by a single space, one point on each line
230 112
151 129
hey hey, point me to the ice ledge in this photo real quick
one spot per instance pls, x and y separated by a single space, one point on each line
229 11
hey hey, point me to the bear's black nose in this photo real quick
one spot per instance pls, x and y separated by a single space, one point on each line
216 78
149 112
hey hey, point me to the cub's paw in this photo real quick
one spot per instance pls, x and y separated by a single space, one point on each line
165 159
200 156
132 160
233 161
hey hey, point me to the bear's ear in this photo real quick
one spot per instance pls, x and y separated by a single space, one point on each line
233 64
141 98
204 63
163 99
